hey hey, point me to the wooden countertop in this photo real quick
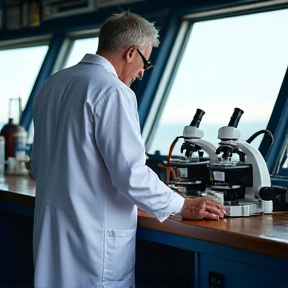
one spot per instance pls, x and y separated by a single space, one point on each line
18 189
265 234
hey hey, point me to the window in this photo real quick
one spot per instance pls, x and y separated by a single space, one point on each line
79 48
18 71
226 63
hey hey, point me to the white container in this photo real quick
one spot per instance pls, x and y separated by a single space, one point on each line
19 143
2 156
12 163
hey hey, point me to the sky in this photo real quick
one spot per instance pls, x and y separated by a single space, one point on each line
238 61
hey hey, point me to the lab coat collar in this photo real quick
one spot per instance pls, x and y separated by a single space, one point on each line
99 60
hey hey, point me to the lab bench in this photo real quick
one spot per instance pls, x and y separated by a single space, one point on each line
235 252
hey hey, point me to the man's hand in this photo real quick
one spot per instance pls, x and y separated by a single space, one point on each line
202 208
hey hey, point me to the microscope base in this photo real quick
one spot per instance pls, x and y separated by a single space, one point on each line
248 207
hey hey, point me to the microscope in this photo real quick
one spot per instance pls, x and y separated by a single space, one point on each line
189 175
242 180
235 173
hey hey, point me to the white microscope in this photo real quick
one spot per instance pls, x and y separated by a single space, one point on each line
189 175
238 184
240 181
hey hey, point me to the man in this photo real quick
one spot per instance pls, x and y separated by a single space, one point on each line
89 164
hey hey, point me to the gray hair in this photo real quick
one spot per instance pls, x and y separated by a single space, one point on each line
126 28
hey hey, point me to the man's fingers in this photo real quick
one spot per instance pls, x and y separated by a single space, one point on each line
215 203
210 215
215 210
215 207
199 208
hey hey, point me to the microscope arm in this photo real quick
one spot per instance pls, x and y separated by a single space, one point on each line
193 134
261 176
208 147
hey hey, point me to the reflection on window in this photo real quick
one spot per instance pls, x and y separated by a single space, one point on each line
284 164
80 48
18 71
227 63
281 167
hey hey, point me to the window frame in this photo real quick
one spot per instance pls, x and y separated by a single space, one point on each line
68 43
278 121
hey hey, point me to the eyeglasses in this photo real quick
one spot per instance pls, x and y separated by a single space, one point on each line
147 64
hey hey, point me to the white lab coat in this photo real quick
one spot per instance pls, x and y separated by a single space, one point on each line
89 164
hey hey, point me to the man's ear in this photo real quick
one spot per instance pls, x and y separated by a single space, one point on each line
130 54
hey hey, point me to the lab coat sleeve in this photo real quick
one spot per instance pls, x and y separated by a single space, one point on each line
118 137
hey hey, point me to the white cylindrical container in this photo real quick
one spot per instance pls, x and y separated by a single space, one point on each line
2 156
12 165
19 143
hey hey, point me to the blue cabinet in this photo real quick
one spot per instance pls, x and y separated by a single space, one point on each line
266 274
210 265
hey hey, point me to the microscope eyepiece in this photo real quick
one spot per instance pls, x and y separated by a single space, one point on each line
234 120
197 118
